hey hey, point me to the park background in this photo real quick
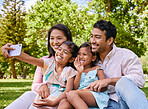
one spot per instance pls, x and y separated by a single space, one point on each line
29 26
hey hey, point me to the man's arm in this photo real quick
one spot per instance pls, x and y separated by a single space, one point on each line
132 69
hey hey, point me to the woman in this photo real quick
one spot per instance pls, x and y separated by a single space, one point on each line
57 34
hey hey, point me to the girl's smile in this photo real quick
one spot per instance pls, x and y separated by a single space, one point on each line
85 56
63 54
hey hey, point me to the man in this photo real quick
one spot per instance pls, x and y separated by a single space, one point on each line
122 68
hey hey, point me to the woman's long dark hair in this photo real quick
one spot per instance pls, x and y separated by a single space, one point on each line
66 32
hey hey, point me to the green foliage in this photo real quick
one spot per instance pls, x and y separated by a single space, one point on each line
129 17
48 13
13 22
3 68
13 26
144 61
80 20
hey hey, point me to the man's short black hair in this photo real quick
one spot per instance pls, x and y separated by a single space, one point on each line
108 27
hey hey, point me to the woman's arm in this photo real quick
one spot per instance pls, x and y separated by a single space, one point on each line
23 57
38 79
5 49
29 59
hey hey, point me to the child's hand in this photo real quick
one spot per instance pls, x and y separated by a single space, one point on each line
43 102
43 91
79 66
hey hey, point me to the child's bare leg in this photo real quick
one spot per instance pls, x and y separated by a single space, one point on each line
64 104
81 99
43 108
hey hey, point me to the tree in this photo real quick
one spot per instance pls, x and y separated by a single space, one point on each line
13 25
47 13
129 16
81 19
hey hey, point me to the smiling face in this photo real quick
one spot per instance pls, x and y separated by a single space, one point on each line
63 54
98 41
57 37
85 56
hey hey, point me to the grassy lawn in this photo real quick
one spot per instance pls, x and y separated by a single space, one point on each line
145 89
11 89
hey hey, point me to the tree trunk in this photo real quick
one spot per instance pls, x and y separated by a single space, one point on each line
108 6
13 68
24 72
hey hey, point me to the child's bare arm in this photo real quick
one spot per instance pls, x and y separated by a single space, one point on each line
69 86
101 76
47 102
77 80
29 59
80 69
100 73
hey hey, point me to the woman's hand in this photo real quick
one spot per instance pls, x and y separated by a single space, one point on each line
43 91
44 102
79 66
5 49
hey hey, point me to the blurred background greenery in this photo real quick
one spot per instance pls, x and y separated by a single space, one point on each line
30 27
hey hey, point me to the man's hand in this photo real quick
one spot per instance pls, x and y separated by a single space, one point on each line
99 85
43 91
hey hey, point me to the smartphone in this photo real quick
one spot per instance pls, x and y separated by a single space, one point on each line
17 51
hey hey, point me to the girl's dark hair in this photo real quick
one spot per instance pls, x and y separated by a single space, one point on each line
74 51
87 44
66 32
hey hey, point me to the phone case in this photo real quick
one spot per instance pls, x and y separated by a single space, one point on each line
17 51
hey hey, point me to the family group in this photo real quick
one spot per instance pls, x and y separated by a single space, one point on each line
96 75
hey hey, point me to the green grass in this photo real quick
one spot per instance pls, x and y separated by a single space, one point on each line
145 89
11 89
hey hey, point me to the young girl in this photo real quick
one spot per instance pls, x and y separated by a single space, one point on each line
58 74
87 72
